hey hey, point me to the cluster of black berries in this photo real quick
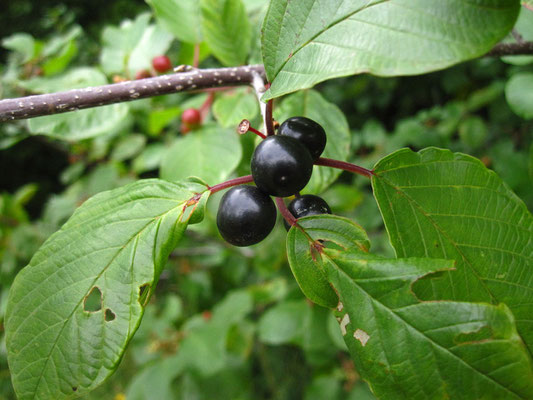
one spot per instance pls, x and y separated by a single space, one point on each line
281 166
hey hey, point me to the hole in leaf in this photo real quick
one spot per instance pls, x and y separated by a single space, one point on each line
423 289
93 301
144 292
74 388
482 334
109 315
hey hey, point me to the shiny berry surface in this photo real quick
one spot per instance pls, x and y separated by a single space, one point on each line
306 131
161 63
281 166
246 215
307 204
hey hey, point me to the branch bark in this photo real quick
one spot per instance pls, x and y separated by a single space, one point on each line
511 49
77 99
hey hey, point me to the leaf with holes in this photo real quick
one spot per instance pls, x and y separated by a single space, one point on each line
72 311
303 252
312 104
306 42
407 349
443 205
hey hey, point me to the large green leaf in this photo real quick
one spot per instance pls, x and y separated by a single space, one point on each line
306 42
312 104
226 30
73 309
210 153
180 17
408 349
444 205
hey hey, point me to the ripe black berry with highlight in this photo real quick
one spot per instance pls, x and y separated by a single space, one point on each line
246 215
308 132
281 166
308 204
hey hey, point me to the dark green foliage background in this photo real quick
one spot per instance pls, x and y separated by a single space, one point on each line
281 347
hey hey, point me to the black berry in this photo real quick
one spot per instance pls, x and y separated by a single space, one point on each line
307 204
281 166
245 216
306 131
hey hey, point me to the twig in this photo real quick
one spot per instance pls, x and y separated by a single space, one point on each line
346 166
232 182
197 79
511 49
77 99
285 211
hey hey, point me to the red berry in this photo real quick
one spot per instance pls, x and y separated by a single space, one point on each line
143 74
191 117
161 63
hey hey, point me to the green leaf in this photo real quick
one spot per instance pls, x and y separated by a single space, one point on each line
306 42
226 30
443 205
155 41
81 124
128 147
60 51
473 131
78 78
119 42
303 252
73 309
22 43
210 153
131 47
149 159
57 64
519 94
407 349
230 109
158 119
312 104
182 18
297 322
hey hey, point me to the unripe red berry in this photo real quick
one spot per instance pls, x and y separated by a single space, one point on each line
161 63
191 117
143 74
